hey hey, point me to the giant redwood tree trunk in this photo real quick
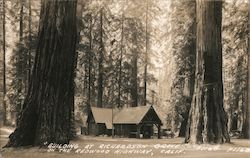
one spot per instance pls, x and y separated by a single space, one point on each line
47 107
3 16
207 119
246 125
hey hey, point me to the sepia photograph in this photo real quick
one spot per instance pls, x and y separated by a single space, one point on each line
124 78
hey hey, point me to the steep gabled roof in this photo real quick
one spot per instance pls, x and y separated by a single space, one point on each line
102 115
132 115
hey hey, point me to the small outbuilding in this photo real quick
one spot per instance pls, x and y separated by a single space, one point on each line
139 122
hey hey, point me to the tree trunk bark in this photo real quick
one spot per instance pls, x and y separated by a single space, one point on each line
207 119
246 130
48 104
4 64
100 64
134 65
230 120
134 93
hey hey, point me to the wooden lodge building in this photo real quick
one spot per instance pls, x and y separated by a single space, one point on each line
139 122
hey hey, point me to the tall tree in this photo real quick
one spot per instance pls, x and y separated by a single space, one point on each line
207 119
146 58
21 54
48 105
89 63
20 61
100 63
235 53
246 125
120 60
134 67
4 59
182 47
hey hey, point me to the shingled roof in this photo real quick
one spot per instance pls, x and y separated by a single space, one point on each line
132 115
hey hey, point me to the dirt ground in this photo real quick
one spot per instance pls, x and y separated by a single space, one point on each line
107 147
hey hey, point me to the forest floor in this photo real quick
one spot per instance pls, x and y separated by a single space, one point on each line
107 147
